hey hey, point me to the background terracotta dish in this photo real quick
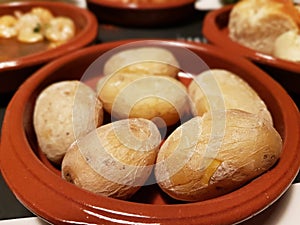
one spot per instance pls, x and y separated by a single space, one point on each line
14 72
38 185
216 32
143 14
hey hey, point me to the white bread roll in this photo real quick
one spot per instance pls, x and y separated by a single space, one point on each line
218 89
212 155
257 23
287 46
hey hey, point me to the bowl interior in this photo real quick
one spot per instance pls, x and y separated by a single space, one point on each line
143 14
230 208
142 4
67 71
26 58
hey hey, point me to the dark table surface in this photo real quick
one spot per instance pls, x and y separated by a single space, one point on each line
10 207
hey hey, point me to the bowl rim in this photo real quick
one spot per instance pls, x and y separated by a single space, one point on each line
213 33
87 207
118 4
83 38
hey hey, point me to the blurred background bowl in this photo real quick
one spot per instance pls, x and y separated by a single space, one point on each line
166 13
287 73
39 186
14 71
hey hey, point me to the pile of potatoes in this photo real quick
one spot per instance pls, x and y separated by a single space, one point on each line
228 140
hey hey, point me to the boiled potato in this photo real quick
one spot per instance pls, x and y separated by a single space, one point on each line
141 96
217 153
219 89
115 160
63 112
143 60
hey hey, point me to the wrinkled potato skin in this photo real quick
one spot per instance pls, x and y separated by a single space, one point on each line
141 96
104 165
143 60
249 147
56 121
232 93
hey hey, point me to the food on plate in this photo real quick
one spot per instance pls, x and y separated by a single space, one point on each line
227 141
44 15
8 26
216 153
63 112
143 60
29 28
37 25
114 160
287 46
60 29
256 24
218 89
127 95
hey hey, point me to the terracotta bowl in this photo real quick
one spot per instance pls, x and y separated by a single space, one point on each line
39 186
14 71
215 30
142 14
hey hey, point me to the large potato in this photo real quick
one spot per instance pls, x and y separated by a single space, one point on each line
63 112
214 154
143 60
115 160
141 96
218 89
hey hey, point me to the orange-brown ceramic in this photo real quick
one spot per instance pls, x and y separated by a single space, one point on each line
215 30
14 71
142 14
38 185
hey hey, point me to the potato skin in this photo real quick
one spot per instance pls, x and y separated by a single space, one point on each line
115 160
63 112
143 60
141 96
194 164
219 89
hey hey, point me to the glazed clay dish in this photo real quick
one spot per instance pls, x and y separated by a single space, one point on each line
14 70
215 30
142 13
37 183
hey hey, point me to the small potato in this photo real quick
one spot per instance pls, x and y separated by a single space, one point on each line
115 160
143 60
217 153
141 96
63 112
218 89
